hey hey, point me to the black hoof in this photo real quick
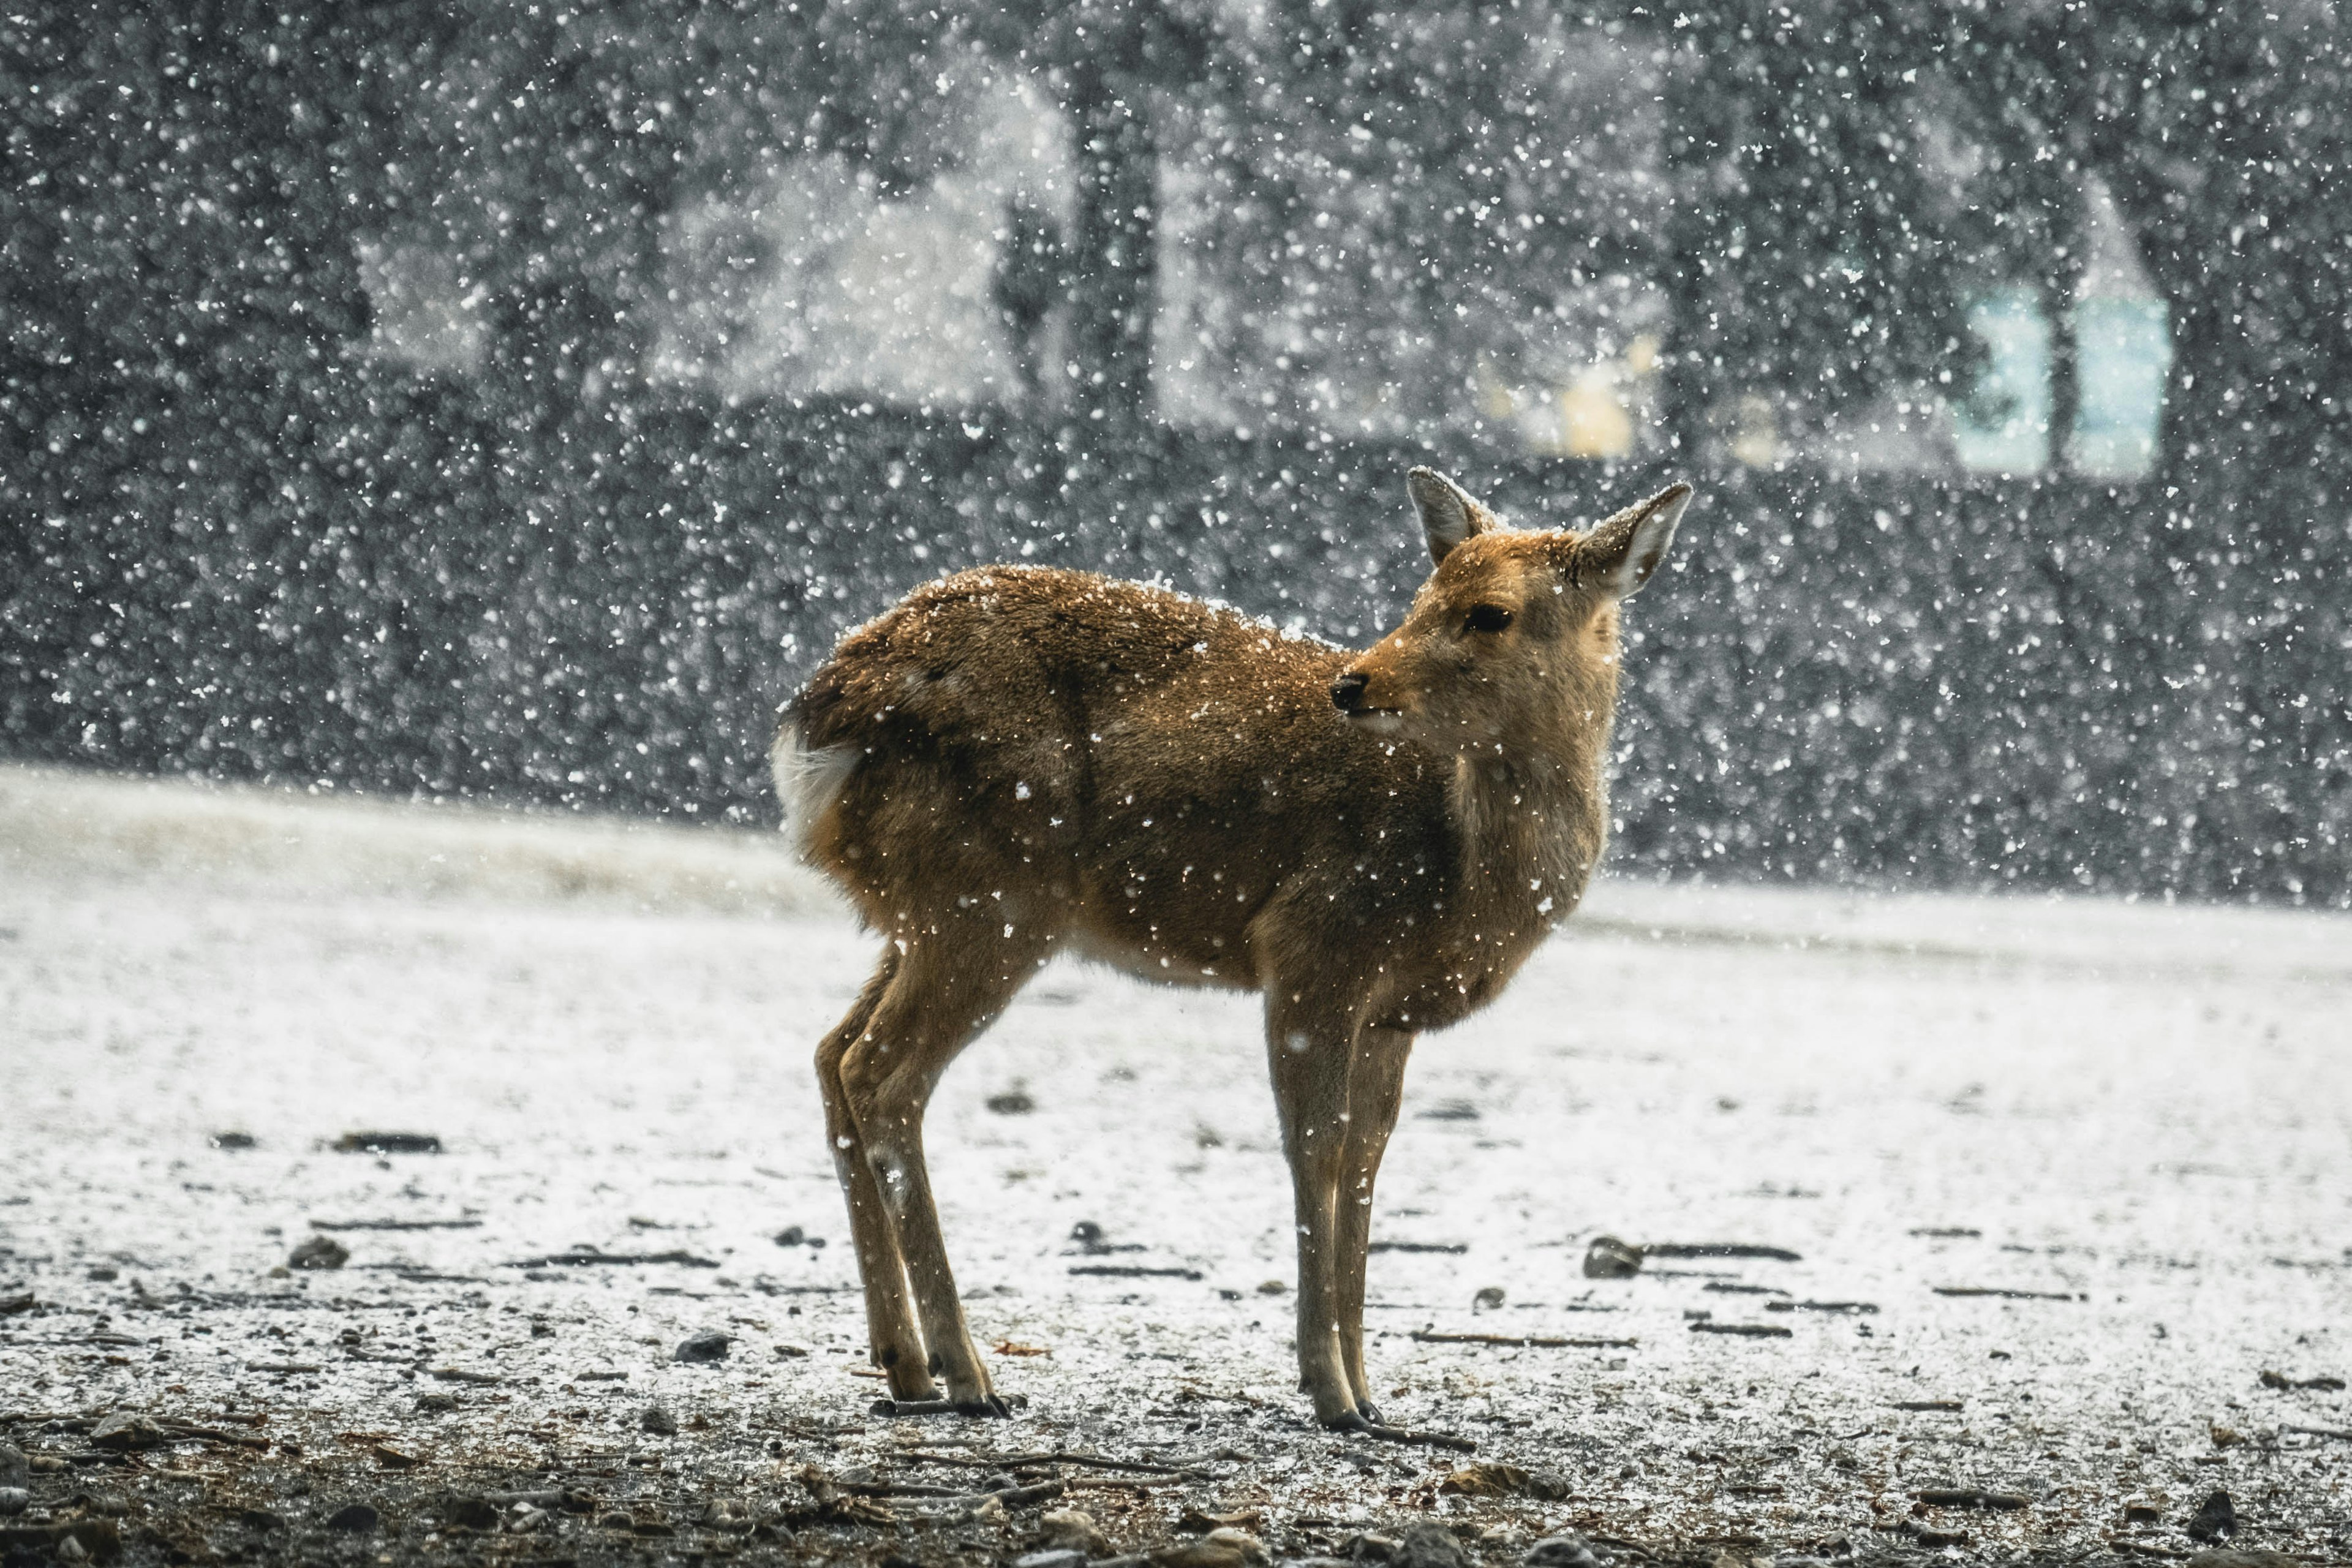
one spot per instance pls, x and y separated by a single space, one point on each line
1369 1411
991 1406
912 1407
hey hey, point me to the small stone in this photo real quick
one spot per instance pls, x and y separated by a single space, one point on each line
319 1252
104 1274
13 1501
1271 1287
435 1404
470 1512
1426 1545
1610 1259
654 1419
790 1235
1068 1529
708 1345
354 1518
1561 1551
2224 1437
1252 1550
232 1141
1014 1102
1488 1299
72 1551
2215 1521
123 1432
1485 1479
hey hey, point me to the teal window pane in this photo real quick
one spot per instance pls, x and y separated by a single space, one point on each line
2123 354
2005 426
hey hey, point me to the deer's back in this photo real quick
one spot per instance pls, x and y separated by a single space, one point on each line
1139 769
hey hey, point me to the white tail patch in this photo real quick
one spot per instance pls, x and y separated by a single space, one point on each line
807 781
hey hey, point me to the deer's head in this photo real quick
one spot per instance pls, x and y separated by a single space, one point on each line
1515 634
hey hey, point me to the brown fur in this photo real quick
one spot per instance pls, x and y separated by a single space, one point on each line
1019 760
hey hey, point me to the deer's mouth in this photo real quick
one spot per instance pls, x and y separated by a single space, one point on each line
1378 721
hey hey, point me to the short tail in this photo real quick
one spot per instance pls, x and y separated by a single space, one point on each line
809 780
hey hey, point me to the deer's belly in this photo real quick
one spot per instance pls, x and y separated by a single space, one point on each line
1168 961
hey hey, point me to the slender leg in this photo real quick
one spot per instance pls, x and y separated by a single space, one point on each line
1310 1042
1375 1091
951 982
892 1338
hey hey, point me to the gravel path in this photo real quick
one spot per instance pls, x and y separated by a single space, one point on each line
2081 1171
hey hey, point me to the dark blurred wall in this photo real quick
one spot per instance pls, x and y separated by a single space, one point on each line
234 540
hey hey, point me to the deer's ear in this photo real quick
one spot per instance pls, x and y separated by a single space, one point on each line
1619 555
1448 515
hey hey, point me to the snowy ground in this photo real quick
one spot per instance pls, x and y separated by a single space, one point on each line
2143 1115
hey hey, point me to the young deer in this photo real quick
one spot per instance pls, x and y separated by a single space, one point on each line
1020 760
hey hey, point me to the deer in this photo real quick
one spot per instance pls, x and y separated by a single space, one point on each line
1017 761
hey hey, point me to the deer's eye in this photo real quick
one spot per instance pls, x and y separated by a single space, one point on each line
1486 618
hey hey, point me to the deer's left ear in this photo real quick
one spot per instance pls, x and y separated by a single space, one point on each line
1618 556
1448 515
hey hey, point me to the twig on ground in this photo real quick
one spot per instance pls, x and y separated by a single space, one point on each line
1530 1341
1133 1271
585 1256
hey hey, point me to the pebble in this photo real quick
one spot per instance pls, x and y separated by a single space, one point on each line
470 1512
232 1140
1071 1530
1488 1479
654 1419
124 1431
1488 1299
1427 1545
13 1501
436 1403
354 1518
319 1252
708 1345
1012 1102
2215 1519
1561 1551
1610 1259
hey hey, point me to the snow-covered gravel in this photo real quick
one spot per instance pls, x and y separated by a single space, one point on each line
2143 1115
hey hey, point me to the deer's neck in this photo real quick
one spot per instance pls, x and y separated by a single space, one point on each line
1533 821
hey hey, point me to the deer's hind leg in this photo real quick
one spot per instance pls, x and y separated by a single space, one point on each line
952 977
893 1339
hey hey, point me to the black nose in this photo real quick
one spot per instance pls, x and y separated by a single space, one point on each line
1347 691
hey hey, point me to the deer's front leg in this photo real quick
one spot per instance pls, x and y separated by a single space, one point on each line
1311 1044
1375 1092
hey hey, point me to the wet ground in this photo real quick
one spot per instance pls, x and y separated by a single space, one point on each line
2068 1184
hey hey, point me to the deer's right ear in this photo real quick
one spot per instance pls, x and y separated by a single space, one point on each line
1448 515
